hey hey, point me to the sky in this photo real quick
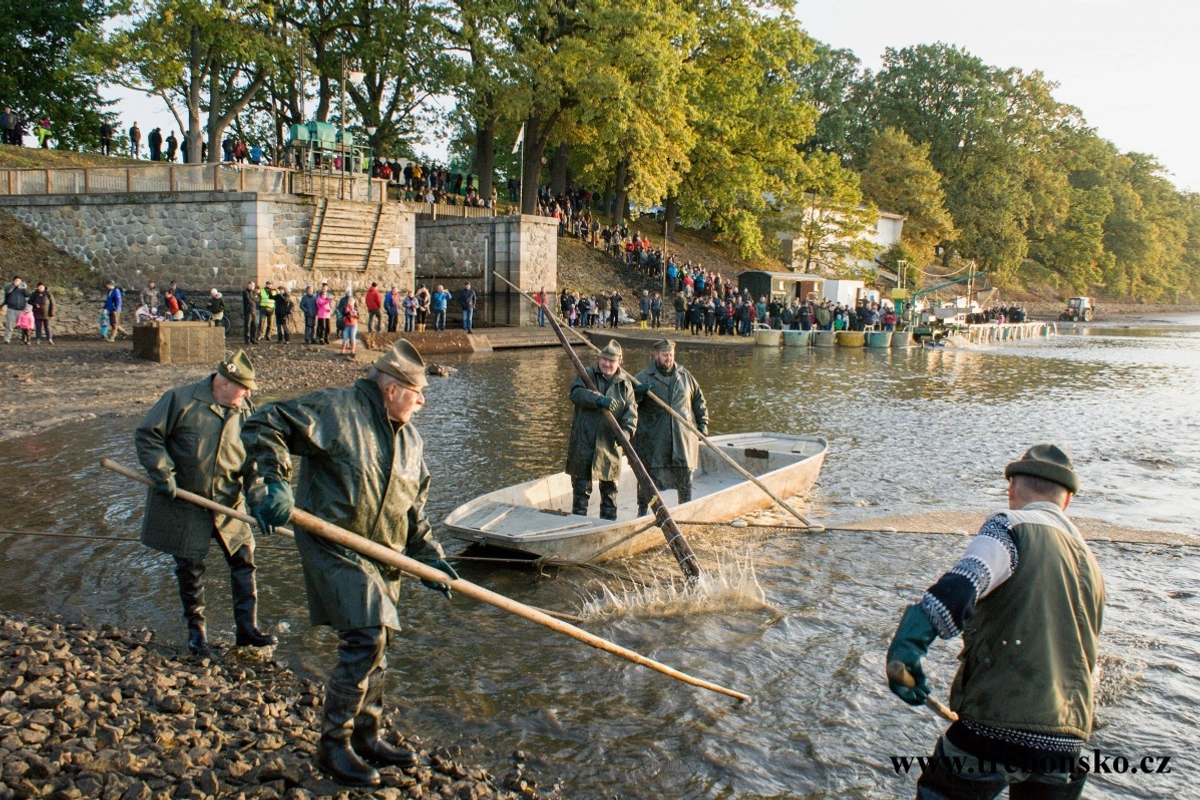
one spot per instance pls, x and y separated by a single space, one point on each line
1130 67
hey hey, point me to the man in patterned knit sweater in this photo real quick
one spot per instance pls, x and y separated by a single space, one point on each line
1027 597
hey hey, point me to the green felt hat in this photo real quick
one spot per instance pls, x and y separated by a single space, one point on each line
404 363
612 349
1048 461
238 369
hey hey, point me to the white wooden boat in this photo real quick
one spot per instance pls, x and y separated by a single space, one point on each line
535 517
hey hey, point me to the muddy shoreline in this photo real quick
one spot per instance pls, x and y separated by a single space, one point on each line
110 713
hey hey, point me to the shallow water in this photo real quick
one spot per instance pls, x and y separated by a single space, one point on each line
909 431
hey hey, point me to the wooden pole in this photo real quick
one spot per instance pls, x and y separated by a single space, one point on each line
898 673
385 555
679 545
708 442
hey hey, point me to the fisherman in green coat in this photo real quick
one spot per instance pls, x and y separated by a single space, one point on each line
593 452
363 470
1027 597
191 439
669 450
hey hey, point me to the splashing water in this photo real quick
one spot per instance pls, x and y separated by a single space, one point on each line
731 586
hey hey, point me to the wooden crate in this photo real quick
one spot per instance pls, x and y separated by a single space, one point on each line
179 342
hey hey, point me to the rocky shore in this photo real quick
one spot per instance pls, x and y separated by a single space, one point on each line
111 714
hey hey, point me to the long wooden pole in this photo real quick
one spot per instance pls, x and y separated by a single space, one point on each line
815 528
385 555
897 672
679 545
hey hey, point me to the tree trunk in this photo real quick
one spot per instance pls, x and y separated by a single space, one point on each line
671 217
484 161
531 166
619 189
558 173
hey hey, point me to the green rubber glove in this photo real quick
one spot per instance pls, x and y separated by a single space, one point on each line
641 390
166 488
438 586
604 401
909 645
276 507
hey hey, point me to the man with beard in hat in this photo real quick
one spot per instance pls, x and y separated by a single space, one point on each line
363 470
594 452
191 439
1027 597
670 451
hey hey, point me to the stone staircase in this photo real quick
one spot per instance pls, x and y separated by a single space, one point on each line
344 236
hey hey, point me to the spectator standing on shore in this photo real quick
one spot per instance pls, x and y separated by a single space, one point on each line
266 311
439 301
409 304
25 324
106 134
593 452
216 305
391 307
1028 598
324 313
114 301
350 326
422 307
172 147
42 132
340 314
466 301
374 301
308 307
151 297
191 439
16 297
43 311
250 312
380 495
614 309
135 141
541 298
283 316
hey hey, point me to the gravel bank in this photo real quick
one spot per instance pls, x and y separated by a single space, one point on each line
111 714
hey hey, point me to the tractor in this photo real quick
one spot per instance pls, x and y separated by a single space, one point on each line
1079 309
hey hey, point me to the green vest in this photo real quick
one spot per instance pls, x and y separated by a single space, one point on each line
1030 648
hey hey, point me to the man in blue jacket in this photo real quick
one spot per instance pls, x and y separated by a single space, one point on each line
112 304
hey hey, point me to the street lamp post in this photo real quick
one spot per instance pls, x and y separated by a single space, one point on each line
355 77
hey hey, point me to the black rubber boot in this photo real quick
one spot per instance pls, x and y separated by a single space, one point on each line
581 492
335 755
366 741
608 500
190 573
245 600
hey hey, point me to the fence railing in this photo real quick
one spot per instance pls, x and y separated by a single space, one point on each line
160 178
145 178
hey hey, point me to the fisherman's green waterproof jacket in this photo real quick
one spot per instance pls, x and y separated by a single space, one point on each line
360 471
593 452
189 436
661 440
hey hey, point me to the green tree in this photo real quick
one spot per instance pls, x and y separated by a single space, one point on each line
211 56
898 177
825 215
45 65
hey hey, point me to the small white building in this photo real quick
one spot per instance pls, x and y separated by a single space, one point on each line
887 231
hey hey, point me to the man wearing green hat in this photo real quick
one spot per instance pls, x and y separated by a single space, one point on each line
1028 598
593 452
669 450
363 470
191 439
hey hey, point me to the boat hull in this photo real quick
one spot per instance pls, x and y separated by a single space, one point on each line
534 517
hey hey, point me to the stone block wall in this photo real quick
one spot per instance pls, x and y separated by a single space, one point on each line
521 249
203 240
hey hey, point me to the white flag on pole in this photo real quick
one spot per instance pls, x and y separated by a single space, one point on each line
520 139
